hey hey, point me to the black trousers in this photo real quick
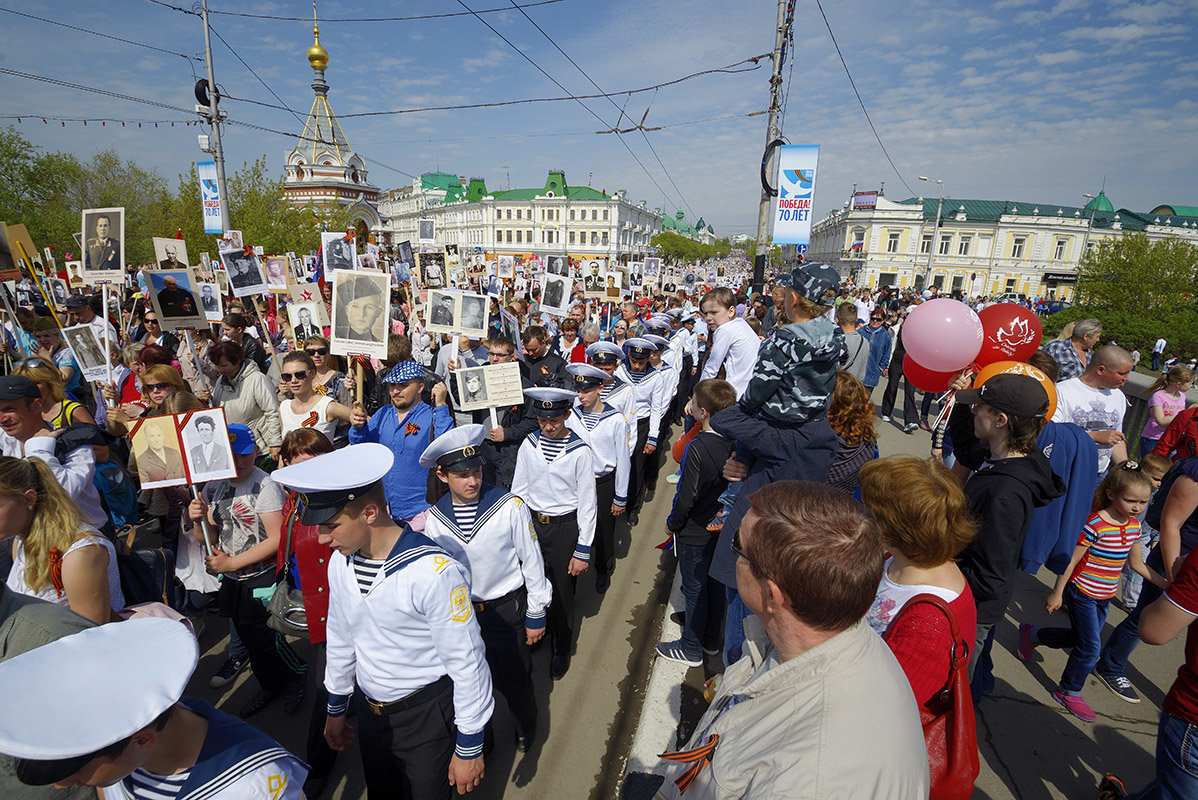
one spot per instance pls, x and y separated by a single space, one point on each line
405 755
272 660
603 551
636 479
891 395
557 540
502 629
318 754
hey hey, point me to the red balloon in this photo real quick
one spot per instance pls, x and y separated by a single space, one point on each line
1010 332
925 379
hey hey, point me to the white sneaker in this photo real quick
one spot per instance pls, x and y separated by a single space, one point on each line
885 418
675 477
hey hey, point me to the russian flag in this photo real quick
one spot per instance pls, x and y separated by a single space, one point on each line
857 245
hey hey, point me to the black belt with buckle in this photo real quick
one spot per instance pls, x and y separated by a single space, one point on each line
421 695
483 605
545 519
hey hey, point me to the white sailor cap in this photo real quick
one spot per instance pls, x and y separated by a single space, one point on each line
587 376
456 450
549 402
58 716
605 351
639 347
657 324
660 342
326 483
676 313
690 316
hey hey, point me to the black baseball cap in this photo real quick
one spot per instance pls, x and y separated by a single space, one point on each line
1020 395
16 386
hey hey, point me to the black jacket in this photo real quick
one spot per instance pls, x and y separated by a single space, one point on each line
517 423
1001 496
549 370
698 497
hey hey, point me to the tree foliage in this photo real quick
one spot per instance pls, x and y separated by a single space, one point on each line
674 248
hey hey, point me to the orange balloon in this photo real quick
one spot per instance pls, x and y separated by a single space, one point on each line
1019 368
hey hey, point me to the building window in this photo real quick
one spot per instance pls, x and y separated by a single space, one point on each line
958 282
571 234
604 238
1058 253
594 237
1017 246
605 212
892 242
946 242
1010 285
963 246
887 279
509 213
925 244
938 282
528 234
571 215
594 214
519 235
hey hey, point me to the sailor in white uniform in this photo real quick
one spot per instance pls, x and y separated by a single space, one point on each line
489 531
605 430
651 407
670 396
401 632
555 475
617 393
133 733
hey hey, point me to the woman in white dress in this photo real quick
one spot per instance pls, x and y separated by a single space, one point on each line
56 555
307 407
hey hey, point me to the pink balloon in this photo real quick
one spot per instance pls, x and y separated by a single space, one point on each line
943 335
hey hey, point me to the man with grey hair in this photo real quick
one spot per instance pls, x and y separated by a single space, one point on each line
1093 401
1073 354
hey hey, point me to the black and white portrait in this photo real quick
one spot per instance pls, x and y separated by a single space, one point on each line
75 274
432 270
474 313
58 290
473 385
104 244
404 252
244 271
206 446
426 231
494 286
652 267
594 281
558 265
210 299
555 294
690 279
636 276
170 253
304 321
506 266
360 313
339 252
205 268
442 310
88 351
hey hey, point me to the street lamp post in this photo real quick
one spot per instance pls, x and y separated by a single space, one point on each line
927 277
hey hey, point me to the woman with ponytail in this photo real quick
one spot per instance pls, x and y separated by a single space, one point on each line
56 555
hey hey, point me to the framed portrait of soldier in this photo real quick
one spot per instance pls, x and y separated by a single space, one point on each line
558 265
173 296
432 270
506 266
56 288
206 268
170 253
636 276
75 274
88 351
555 294
474 315
490 386
275 269
304 321
222 281
426 231
494 286
159 452
360 303
476 266
617 282
403 252
244 271
652 267
212 302
689 279
207 451
594 277
443 311
103 245
339 252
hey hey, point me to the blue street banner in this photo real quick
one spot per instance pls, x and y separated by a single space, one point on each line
210 196
796 192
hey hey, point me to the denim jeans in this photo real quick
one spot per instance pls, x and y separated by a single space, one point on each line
734 626
1176 762
1126 637
704 597
981 663
1083 638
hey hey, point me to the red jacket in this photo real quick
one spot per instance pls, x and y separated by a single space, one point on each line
923 642
313 560
1181 435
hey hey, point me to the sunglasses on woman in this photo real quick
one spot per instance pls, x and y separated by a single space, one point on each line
317 351
151 320
158 387
29 363
298 375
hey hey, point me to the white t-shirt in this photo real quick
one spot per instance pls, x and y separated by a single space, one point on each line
1092 410
893 596
316 418
16 576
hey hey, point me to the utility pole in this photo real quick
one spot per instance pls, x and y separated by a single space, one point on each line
214 118
778 56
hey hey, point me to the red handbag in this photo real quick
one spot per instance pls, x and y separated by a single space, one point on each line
949 727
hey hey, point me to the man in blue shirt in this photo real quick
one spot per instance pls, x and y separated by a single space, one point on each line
406 427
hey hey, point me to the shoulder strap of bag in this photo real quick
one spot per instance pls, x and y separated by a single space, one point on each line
291 519
960 651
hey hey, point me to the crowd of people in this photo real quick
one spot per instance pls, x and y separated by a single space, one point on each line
430 545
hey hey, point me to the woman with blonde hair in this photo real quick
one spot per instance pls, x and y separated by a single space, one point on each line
56 555
158 382
57 409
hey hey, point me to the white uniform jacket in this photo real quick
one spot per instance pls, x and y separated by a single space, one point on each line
414 625
608 442
650 386
556 488
499 553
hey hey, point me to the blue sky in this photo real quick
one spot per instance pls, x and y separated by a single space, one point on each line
1018 99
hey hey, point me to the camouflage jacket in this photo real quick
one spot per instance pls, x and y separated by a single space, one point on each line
795 372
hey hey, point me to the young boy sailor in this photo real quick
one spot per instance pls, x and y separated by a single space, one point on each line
401 630
651 406
134 735
605 430
489 531
555 475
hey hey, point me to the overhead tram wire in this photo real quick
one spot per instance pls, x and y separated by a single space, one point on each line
853 83
412 18
564 89
237 55
56 82
610 100
102 35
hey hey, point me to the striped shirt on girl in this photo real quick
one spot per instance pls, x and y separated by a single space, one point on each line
1097 574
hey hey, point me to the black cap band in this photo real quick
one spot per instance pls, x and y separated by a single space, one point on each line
461 460
320 507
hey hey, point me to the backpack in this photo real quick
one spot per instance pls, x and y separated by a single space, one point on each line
147 574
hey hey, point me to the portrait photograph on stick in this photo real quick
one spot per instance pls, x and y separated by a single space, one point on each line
432 270
244 272
339 252
302 317
472 389
88 351
158 452
172 297
276 273
212 302
206 445
474 316
426 231
170 253
507 266
555 294
360 313
636 276
594 277
652 267
489 386
103 245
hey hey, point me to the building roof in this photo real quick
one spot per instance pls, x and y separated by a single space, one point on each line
1100 203
991 210
1176 211
439 180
